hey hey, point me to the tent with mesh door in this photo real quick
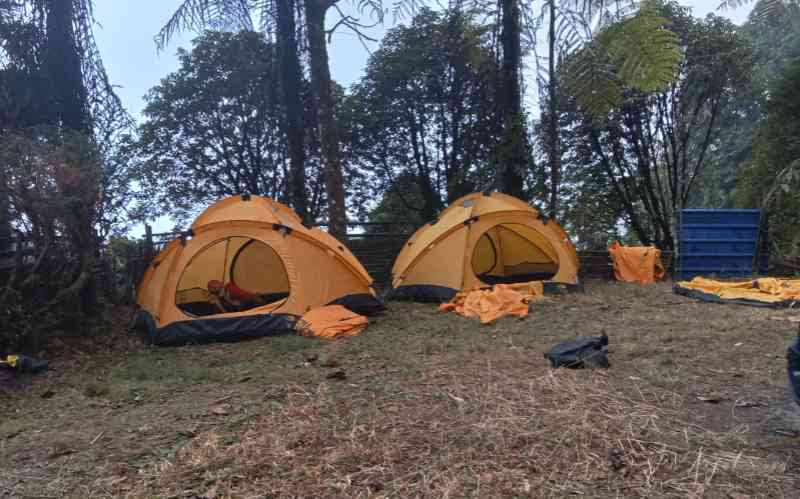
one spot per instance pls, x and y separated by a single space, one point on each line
481 240
247 267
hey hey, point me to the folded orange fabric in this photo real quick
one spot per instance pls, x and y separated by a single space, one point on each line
640 264
331 322
490 304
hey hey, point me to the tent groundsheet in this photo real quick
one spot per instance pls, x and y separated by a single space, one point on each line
764 292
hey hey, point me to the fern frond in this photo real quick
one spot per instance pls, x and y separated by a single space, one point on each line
769 10
592 79
196 15
645 51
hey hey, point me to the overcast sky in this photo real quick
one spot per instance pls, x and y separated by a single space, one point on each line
127 27
125 37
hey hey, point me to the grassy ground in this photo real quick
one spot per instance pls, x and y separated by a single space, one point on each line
432 405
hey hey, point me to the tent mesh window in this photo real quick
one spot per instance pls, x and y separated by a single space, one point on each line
512 253
232 275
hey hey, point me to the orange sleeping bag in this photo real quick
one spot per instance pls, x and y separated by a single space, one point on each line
490 304
640 264
331 322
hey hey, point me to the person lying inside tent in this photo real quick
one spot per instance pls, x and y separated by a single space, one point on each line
231 298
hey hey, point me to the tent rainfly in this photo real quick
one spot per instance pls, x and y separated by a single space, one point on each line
247 267
482 240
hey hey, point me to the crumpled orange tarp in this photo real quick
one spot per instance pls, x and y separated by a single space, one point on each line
491 304
640 264
331 322
766 289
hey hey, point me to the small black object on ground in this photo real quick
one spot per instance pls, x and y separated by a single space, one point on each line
580 353
793 366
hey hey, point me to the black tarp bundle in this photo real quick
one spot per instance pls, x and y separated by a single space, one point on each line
793 367
581 352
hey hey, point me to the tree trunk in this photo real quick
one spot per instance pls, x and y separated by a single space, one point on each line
512 159
5 219
553 137
322 89
291 77
68 105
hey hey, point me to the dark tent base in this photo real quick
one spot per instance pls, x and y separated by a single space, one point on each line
424 293
224 329
428 293
364 304
712 298
515 279
228 329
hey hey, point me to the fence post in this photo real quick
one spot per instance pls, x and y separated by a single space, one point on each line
149 249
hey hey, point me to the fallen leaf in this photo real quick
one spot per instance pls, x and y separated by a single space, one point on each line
223 399
711 398
329 362
789 319
749 403
337 375
219 410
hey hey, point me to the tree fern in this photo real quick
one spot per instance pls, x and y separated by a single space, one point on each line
638 52
196 15
764 9
645 51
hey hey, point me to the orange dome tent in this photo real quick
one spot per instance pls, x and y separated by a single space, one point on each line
481 240
247 267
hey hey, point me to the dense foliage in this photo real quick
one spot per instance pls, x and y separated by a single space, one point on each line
772 180
217 127
642 111
425 112
653 146
63 189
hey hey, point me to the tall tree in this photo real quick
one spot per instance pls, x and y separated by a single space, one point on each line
512 157
322 89
776 42
553 143
216 126
64 72
425 114
277 18
199 14
291 78
772 180
654 145
60 60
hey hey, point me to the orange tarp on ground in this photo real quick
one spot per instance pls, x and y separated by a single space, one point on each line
768 289
640 264
331 322
491 304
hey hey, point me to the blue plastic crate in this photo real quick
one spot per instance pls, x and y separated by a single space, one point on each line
720 242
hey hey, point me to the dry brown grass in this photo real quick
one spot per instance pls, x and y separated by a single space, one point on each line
564 433
434 405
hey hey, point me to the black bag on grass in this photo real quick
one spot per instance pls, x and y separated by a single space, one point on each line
793 367
580 353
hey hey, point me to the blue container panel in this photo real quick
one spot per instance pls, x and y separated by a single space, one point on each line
726 232
719 242
721 217
717 248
